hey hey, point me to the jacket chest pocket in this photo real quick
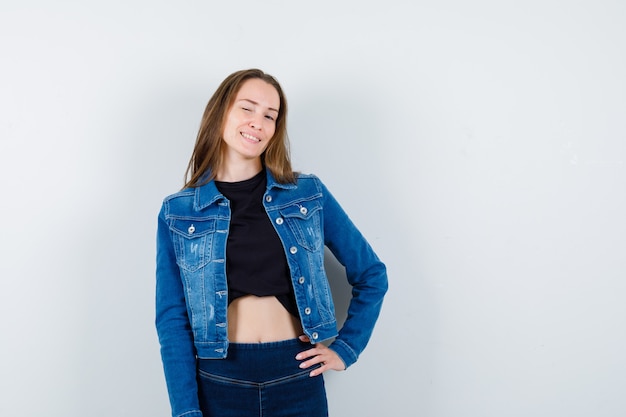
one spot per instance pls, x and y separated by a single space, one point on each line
304 222
193 241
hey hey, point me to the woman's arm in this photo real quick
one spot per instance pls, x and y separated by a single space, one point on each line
365 272
173 328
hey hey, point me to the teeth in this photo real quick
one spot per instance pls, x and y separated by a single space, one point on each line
245 135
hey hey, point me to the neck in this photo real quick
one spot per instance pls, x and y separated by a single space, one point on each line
231 172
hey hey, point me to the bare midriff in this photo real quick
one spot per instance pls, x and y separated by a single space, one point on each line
253 319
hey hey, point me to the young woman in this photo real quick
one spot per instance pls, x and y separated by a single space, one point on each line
243 304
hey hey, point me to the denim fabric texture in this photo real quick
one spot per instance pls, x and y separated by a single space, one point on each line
260 380
191 286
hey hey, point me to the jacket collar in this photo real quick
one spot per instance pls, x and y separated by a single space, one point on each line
208 194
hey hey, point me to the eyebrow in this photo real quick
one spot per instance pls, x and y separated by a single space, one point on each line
256 104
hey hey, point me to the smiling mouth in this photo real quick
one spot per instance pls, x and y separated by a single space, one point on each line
250 137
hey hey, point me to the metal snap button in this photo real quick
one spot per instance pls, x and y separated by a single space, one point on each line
315 335
307 311
303 210
191 229
279 221
301 280
293 250
268 198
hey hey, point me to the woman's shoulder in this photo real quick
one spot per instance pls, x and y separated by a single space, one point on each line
306 176
306 180
185 193
309 184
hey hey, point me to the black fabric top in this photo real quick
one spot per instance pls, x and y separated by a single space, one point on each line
255 258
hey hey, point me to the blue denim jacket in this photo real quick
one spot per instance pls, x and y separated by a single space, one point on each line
191 291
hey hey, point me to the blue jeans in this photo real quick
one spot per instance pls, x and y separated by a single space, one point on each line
260 379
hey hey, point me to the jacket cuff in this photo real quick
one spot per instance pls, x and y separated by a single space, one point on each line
345 352
192 413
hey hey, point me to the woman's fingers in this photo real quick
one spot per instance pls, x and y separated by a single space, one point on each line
322 355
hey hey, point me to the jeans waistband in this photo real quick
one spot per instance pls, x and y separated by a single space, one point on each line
257 361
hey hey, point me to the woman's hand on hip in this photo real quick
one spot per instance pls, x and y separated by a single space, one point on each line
319 354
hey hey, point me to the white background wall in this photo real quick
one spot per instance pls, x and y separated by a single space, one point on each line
480 145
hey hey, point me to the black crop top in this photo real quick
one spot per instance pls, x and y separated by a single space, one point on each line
255 258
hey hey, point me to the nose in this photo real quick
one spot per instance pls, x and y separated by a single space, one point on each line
256 121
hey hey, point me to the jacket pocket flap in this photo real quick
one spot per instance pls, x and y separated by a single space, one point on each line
303 210
192 228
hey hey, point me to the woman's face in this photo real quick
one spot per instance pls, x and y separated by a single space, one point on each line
251 121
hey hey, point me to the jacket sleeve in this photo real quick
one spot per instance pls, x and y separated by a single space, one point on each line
364 271
173 328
